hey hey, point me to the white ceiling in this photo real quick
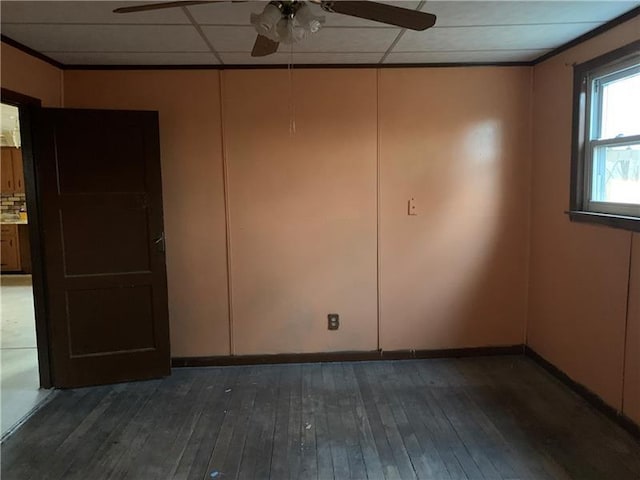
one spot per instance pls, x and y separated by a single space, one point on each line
87 32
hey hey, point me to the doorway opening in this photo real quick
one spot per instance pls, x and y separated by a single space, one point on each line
21 380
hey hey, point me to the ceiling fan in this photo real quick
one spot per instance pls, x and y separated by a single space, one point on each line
291 21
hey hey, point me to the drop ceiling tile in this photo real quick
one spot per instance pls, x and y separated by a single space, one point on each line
477 13
337 58
118 58
482 56
226 13
245 58
241 39
84 12
349 40
239 14
107 38
231 39
282 58
525 37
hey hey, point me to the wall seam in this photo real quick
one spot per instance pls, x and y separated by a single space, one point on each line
378 73
626 321
529 229
62 75
227 216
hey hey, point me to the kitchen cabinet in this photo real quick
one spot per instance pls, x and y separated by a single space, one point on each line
6 175
9 248
16 254
25 248
18 170
12 171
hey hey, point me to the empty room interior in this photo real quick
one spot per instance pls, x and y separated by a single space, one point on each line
320 240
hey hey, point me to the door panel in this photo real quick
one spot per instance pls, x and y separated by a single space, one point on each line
97 318
100 185
106 234
109 171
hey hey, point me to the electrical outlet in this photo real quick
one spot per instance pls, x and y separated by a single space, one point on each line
334 321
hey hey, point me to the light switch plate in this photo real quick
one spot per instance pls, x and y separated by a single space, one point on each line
412 207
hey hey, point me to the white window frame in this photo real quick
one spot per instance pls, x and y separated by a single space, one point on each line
587 120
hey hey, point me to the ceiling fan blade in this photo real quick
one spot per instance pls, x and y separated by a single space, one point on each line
264 46
383 13
158 6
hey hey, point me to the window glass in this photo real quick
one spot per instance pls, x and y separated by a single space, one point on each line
621 107
616 174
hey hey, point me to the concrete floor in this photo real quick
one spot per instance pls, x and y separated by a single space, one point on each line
20 389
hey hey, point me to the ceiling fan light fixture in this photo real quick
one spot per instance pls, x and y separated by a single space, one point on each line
307 20
266 22
286 23
288 32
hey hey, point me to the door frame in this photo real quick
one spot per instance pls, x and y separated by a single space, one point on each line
26 105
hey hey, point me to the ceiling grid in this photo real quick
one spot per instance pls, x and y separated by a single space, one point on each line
201 33
89 33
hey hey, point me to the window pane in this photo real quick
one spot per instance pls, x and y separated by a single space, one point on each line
616 174
621 107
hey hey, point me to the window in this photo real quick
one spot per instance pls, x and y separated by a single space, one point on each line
606 144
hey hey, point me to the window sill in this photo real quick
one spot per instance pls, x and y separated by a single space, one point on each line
609 220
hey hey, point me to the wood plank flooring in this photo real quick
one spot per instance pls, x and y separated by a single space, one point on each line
474 418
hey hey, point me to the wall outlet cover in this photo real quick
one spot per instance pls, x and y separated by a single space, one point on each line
333 321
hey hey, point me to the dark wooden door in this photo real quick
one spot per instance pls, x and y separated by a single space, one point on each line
99 183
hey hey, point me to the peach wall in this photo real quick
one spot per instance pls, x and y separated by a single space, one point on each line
25 74
302 209
631 405
191 149
457 140
579 273
303 212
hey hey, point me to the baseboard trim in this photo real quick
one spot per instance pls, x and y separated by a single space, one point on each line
357 356
591 397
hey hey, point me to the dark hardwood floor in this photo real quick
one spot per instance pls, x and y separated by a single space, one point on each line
474 418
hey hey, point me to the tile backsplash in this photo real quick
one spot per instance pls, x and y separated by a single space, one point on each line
11 203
